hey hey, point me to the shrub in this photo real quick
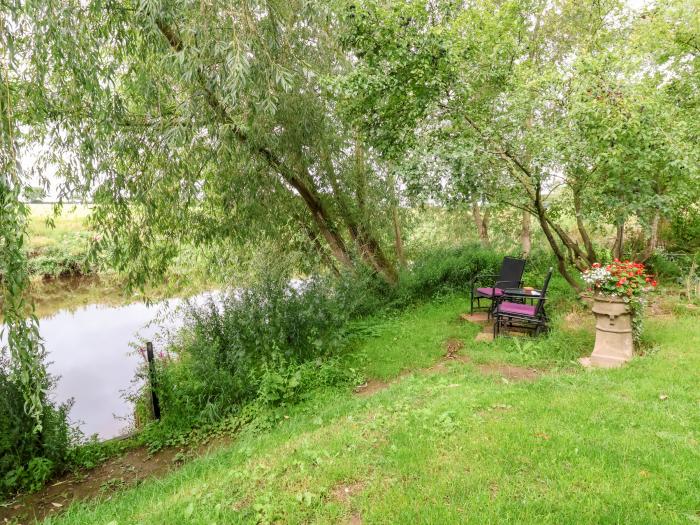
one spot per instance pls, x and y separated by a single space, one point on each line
682 233
274 342
68 258
447 269
266 341
29 459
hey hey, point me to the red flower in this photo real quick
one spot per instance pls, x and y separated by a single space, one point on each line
654 283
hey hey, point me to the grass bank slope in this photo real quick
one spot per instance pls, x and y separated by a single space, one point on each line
460 443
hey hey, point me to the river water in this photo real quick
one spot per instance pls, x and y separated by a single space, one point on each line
91 351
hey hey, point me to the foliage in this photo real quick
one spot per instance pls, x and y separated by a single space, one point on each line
273 343
683 231
269 341
23 342
207 125
574 112
446 270
67 259
28 459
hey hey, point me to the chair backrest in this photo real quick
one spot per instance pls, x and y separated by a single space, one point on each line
543 292
511 274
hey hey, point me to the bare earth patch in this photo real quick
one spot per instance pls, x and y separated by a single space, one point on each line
371 387
510 372
477 317
126 470
355 519
344 492
452 346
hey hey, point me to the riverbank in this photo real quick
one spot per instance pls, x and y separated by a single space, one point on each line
51 296
452 431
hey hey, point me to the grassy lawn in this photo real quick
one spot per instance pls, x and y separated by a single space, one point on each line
458 445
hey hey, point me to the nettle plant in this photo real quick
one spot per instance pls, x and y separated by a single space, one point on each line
625 279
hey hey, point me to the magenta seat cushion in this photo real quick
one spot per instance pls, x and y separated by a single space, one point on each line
487 291
516 309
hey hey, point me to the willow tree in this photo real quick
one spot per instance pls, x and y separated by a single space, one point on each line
20 325
202 122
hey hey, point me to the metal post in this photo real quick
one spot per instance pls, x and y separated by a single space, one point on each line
152 380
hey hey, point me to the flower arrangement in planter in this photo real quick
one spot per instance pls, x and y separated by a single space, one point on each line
623 279
618 290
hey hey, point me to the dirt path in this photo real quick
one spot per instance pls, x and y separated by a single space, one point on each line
127 470
452 347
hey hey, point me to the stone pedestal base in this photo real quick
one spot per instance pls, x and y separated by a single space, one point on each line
614 345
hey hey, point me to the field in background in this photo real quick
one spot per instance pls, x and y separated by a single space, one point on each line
64 279
71 221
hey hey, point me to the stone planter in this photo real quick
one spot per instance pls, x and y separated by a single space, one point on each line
614 345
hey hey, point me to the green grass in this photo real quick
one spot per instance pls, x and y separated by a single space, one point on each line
71 222
412 339
458 446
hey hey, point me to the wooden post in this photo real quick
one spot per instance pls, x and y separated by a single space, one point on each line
152 380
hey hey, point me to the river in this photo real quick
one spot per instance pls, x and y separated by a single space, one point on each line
90 350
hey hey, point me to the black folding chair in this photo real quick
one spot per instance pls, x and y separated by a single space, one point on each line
528 316
510 276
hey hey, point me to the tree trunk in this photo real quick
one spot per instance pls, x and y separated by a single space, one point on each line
398 241
617 249
481 222
582 228
561 257
318 246
653 237
526 234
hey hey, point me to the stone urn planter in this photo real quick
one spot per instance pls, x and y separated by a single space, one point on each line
614 345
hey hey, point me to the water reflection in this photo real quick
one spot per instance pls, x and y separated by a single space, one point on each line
89 350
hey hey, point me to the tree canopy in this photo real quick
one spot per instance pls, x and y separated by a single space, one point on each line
308 125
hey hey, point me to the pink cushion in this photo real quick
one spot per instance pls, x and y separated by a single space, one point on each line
489 291
516 309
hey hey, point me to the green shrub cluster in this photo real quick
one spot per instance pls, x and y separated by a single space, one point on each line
271 341
277 340
27 458
68 258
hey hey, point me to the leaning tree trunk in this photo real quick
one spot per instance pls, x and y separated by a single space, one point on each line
551 239
398 240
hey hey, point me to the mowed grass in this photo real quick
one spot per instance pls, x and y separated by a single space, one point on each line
458 446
